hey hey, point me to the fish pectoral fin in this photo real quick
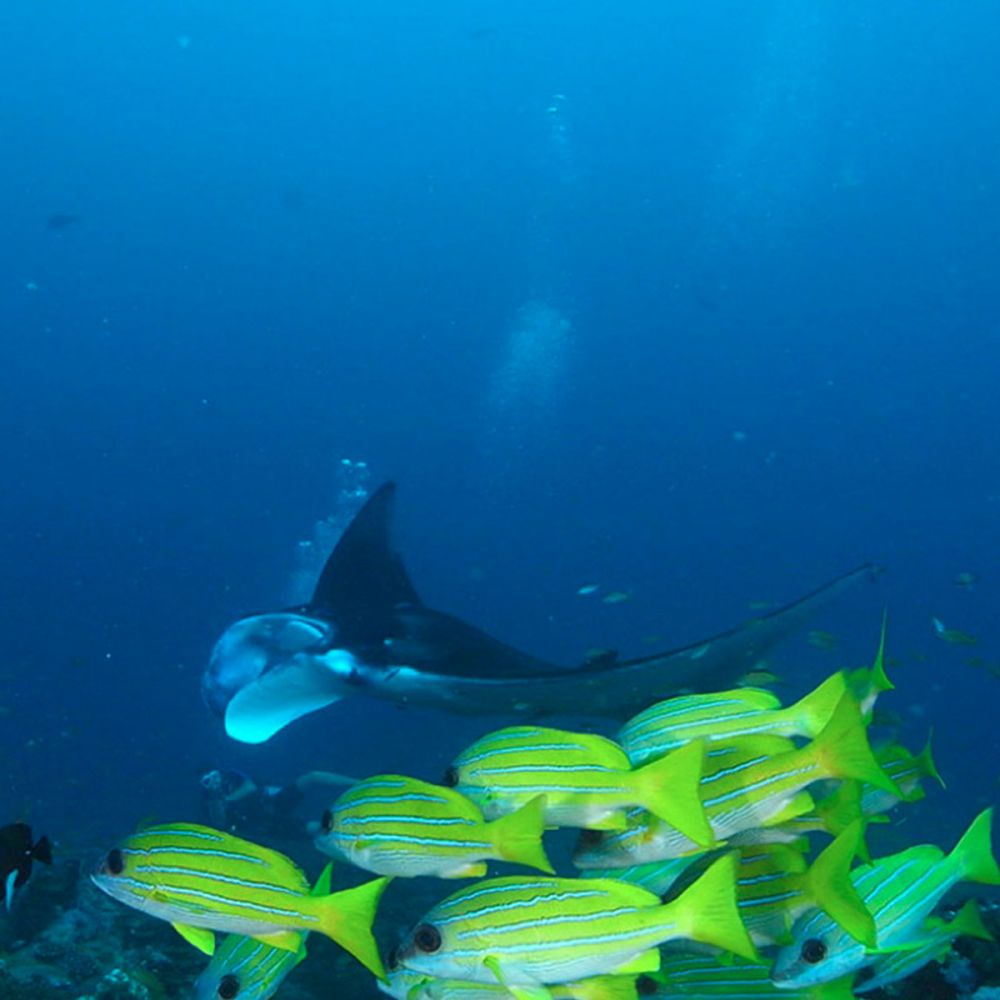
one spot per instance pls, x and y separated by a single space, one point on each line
645 961
614 821
9 889
529 992
521 991
473 869
285 940
202 938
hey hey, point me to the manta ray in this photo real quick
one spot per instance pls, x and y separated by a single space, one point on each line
366 632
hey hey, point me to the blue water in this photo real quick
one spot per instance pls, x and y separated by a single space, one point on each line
693 300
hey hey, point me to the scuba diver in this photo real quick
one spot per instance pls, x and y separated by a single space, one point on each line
235 802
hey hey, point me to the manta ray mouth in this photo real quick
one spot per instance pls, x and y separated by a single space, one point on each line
252 647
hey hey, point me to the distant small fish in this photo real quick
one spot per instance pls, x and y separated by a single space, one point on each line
616 597
953 635
964 579
599 656
17 854
758 677
588 588
62 220
823 640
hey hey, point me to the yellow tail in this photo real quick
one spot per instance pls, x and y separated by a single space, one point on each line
842 749
973 854
814 711
518 836
968 922
346 917
830 887
670 788
707 911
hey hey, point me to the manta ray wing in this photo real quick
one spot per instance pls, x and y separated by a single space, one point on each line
364 579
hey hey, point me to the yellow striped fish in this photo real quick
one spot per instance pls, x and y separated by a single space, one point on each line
406 985
899 891
747 785
657 877
774 886
394 825
705 977
908 770
202 880
587 780
670 724
540 932
935 940
246 969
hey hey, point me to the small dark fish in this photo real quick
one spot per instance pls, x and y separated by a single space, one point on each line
62 220
17 855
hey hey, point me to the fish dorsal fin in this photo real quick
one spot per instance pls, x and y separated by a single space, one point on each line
364 579
42 851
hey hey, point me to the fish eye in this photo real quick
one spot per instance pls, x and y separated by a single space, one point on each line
590 838
813 951
114 864
645 986
451 777
229 986
326 823
427 938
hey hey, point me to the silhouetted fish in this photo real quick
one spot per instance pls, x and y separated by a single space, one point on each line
62 220
17 853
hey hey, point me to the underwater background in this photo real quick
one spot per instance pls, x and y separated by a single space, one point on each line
694 301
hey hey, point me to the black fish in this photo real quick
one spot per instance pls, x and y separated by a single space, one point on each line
17 853
62 220
367 632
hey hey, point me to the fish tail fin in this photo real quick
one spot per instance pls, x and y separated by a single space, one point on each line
42 851
816 708
670 788
842 749
841 807
925 761
973 854
869 682
347 916
829 885
707 910
968 922
518 836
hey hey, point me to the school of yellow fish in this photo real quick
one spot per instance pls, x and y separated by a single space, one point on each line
695 875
